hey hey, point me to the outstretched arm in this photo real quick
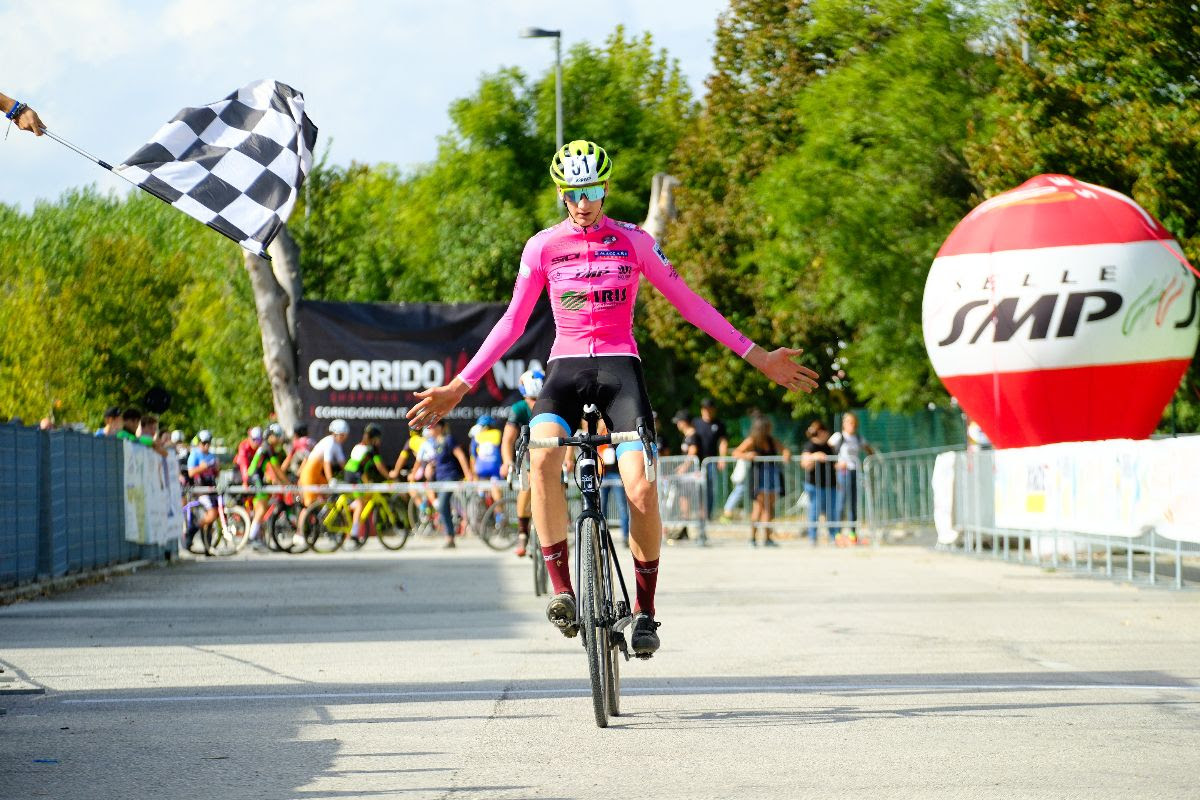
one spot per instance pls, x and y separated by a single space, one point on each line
778 364
437 402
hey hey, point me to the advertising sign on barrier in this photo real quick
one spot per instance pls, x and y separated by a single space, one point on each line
153 501
1113 488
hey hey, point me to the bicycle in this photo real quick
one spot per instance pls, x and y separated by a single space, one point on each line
602 618
227 534
494 521
282 521
425 520
325 525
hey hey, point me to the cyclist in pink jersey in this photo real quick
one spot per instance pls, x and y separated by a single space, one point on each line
591 266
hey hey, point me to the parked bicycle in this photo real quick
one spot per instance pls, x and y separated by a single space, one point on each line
325 525
602 617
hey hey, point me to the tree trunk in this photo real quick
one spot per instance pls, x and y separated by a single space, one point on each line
662 205
285 262
275 305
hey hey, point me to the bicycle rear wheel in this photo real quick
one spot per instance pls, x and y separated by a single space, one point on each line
498 526
591 619
390 524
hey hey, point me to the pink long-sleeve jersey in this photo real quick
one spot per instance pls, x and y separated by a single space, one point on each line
592 276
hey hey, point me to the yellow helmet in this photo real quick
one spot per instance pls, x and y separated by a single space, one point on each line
580 163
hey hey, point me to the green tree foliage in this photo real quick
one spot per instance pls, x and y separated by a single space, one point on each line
1110 94
822 174
453 230
104 298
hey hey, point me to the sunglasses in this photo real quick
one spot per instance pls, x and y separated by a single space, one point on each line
592 193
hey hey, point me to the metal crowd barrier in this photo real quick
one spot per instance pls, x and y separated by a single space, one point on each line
899 500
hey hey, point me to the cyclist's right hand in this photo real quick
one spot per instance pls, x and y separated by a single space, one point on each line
436 403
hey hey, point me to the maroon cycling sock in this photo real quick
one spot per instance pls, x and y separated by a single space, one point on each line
647 579
559 567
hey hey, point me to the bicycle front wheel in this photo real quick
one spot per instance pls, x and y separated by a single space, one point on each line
320 539
592 625
390 524
230 531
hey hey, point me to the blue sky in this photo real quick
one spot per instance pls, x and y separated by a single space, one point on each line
378 77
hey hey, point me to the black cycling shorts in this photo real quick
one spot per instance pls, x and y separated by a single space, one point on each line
615 384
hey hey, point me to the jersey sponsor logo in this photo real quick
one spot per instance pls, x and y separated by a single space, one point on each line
661 255
564 257
611 254
624 270
524 271
572 301
592 271
610 239
608 297
629 226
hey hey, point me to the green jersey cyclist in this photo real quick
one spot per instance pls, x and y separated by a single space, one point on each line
591 266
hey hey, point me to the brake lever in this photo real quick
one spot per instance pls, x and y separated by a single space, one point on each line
648 460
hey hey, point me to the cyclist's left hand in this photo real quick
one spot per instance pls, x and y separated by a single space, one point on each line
779 366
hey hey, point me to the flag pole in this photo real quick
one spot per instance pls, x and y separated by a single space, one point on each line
101 162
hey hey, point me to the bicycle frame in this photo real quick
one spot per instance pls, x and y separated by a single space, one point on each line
617 615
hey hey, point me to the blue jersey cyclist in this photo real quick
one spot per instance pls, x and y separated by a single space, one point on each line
591 267
485 448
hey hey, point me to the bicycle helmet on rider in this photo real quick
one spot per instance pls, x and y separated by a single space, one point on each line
531 382
339 426
372 431
275 429
580 163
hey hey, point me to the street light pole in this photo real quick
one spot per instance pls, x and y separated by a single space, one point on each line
542 33
558 137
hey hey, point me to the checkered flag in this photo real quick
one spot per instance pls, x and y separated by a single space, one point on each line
236 165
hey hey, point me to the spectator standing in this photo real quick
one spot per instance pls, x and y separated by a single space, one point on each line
819 479
112 422
713 438
449 464
147 434
131 418
766 477
850 449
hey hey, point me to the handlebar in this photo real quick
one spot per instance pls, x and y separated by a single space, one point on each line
525 443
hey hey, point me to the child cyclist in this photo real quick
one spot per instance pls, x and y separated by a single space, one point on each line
364 456
266 466
591 267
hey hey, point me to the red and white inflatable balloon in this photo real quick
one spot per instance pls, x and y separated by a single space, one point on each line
1060 311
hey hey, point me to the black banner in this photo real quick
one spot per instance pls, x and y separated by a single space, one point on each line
362 362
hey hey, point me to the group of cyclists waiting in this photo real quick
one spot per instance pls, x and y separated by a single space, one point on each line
266 457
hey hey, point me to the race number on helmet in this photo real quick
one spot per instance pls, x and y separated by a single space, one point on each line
580 163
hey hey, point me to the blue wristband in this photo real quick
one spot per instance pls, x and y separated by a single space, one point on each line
16 110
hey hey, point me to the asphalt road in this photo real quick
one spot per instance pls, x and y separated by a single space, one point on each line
785 673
